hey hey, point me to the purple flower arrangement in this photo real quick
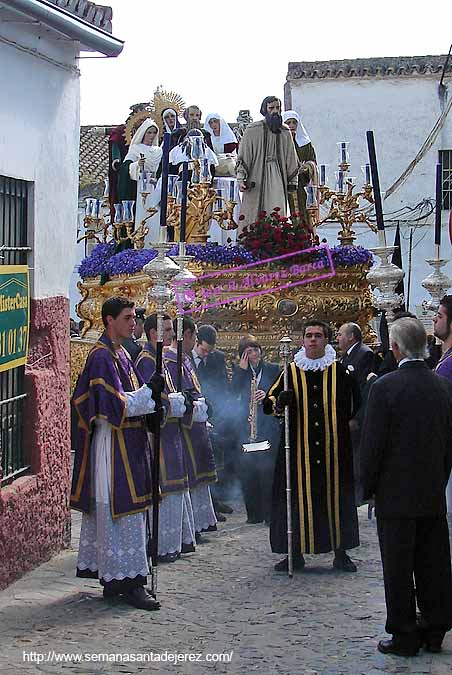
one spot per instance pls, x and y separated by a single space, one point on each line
347 256
103 259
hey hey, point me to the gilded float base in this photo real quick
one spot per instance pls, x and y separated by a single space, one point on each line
344 297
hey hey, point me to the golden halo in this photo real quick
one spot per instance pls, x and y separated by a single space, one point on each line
134 121
163 100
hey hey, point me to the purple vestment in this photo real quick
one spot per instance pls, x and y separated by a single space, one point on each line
196 441
99 395
173 468
444 366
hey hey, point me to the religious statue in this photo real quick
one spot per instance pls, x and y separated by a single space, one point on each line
306 155
267 164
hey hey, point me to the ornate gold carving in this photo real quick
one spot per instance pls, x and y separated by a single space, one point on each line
79 351
344 297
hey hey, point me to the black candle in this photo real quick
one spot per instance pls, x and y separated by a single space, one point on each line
438 197
183 204
165 164
375 180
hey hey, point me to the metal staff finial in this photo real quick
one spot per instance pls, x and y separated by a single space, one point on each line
285 352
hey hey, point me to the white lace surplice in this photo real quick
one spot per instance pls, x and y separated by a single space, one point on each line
116 549
203 511
175 523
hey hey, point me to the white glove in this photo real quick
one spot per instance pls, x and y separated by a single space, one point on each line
177 404
200 410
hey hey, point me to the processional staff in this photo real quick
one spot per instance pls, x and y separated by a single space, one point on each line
284 352
162 270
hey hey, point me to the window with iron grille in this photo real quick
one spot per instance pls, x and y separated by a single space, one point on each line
13 251
445 157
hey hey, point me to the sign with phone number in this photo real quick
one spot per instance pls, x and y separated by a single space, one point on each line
14 315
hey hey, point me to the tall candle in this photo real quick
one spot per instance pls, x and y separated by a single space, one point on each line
367 173
438 197
375 180
343 151
322 174
165 163
183 206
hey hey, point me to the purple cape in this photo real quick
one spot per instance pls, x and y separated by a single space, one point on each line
173 467
195 437
99 394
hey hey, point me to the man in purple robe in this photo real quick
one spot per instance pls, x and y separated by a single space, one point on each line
443 330
111 482
176 526
195 437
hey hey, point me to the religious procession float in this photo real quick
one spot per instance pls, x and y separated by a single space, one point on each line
168 234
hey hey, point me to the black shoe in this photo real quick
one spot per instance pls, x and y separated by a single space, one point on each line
200 539
431 640
188 548
283 565
168 558
222 508
141 599
220 517
109 594
344 563
397 647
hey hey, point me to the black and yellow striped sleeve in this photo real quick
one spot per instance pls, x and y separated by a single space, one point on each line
269 404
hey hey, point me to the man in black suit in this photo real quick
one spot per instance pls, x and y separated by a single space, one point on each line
212 374
255 468
357 358
406 458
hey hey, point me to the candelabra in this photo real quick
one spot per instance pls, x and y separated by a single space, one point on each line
124 225
384 278
344 203
97 218
202 198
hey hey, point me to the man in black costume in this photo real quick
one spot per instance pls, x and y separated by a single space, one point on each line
323 397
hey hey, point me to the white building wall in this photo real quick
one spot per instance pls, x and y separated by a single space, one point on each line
401 112
39 141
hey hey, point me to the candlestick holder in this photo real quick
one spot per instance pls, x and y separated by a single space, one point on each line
201 198
97 220
345 205
345 209
384 278
437 283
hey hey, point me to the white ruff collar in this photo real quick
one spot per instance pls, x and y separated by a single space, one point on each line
304 363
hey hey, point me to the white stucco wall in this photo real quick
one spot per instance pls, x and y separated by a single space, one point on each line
39 142
401 112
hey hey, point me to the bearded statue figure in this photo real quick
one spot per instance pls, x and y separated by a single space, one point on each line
267 164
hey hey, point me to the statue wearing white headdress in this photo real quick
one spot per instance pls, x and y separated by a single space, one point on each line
306 155
224 145
138 173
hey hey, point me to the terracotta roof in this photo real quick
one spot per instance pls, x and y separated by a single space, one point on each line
93 153
388 66
96 15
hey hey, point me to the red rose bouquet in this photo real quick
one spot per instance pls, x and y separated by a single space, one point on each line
272 234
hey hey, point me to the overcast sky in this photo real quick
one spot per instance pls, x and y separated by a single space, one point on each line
226 56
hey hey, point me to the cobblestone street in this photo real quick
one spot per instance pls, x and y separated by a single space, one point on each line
224 598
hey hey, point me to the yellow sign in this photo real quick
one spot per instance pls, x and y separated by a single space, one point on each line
14 315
